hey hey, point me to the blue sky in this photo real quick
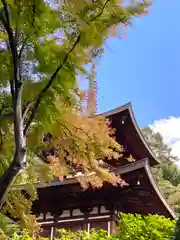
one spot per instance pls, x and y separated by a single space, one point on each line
144 68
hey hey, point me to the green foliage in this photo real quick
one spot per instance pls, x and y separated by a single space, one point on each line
44 48
150 227
160 149
23 236
69 235
171 173
7 227
177 230
83 235
166 173
131 227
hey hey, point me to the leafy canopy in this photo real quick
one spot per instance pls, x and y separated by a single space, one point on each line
151 227
167 172
136 227
45 46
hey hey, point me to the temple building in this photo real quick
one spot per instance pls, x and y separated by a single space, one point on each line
66 205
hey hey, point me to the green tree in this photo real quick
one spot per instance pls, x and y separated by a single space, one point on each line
167 172
161 150
136 227
45 46
7 227
151 227
177 230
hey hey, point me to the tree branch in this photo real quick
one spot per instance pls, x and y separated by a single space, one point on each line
10 114
101 12
19 160
6 9
6 180
26 108
1 138
17 31
52 78
6 22
48 85
22 48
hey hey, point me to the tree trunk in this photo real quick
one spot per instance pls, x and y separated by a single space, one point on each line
19 160
6 181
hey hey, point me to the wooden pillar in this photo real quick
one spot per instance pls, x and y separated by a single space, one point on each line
88 228
109 228
52 233
113 228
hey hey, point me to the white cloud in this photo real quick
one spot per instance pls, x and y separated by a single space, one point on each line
170 131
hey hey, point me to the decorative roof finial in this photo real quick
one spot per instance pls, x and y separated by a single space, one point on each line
92 92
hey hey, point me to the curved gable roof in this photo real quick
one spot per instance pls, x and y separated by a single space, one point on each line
158 192
155 202
127 110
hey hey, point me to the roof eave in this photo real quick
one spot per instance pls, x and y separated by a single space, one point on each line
128 107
